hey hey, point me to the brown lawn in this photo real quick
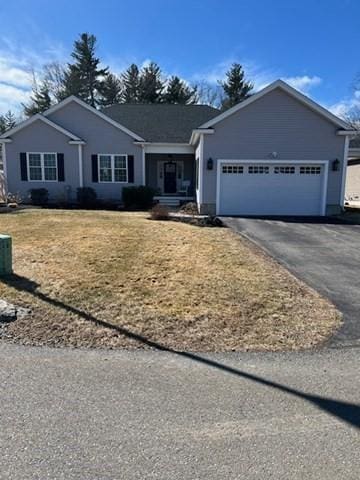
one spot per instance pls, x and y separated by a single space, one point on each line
187 287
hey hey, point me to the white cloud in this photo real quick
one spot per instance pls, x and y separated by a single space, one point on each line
213 74
13 74
259 76
346 107
303 83
17 66
11 98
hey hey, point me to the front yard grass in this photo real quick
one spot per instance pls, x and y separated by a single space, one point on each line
190 288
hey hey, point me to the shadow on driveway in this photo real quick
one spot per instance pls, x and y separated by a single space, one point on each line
345 411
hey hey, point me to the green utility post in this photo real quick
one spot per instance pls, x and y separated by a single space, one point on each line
5 255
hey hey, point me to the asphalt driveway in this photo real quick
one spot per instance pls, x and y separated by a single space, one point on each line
322 252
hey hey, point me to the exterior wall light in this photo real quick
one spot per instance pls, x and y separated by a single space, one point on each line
335 165
210 164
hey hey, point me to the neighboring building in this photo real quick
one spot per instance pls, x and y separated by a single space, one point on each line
276 153
352 189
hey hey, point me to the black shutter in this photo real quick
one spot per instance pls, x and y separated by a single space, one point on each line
130 168
61 167
94 163
23 167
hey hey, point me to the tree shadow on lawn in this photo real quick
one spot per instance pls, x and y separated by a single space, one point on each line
348 412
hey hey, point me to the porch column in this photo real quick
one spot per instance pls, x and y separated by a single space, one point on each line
143 165
81 173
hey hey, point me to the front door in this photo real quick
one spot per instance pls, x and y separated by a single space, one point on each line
170 177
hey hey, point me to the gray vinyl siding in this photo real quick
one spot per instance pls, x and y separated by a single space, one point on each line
100 137
40 137
274 123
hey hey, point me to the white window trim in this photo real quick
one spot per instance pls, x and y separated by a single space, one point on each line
42 167
325 163
112 156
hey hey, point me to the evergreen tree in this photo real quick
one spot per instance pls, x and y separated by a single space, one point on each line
9 120
40 99
236 88
4 124
178 92
72 84
84 78
151 84
111 90
131 83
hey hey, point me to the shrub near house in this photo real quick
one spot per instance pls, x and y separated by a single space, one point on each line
86 197
39 196
139 198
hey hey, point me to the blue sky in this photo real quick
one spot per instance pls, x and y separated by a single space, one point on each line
311 44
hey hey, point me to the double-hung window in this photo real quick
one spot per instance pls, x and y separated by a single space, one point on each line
113 168
42 167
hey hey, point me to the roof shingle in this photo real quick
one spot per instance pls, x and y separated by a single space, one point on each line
161 122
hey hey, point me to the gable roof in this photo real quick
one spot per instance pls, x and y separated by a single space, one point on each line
108 119
40 117
280 84
161 123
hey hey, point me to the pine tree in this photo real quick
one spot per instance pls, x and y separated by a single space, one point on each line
151 84
178 92
84 78
72 84
40 99
9 120
131 83
111 90
236 88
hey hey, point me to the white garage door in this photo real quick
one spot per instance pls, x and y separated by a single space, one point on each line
270 188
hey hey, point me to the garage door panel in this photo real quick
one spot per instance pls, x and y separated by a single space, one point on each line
291 189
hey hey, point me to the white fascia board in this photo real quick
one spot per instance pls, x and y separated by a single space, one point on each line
161 144
348 132
196 133
176 148
43 119
292 92
112 122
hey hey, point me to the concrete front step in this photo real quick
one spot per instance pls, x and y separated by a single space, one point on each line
173 201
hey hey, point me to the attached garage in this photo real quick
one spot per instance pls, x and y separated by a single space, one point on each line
263 188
